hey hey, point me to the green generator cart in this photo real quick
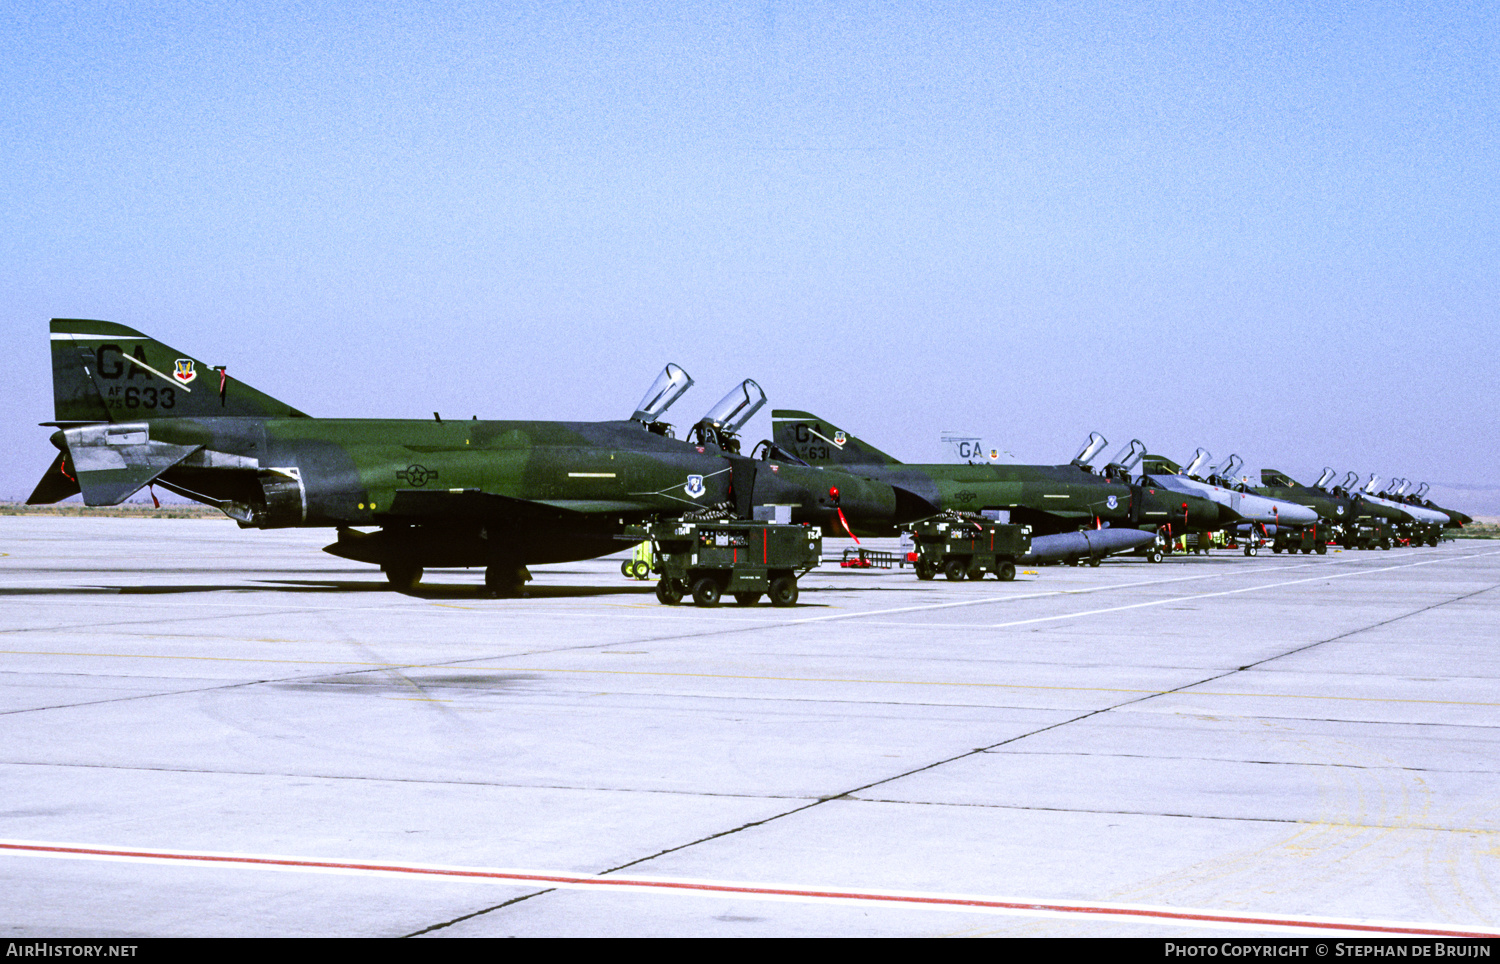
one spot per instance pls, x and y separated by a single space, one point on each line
743 559
968 547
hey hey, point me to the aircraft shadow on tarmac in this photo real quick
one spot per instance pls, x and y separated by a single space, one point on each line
437 591
409 684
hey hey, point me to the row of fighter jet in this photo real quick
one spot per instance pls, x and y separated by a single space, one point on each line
1163 497
131 412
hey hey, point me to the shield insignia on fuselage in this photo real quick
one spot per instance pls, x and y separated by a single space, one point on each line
839 438
184 371
1113 502
694 487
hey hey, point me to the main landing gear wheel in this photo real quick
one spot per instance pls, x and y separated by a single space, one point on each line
1153 554
668 592
954 570
505 579
1006 572
706 592
1095 560
403 578
1252 550
784 591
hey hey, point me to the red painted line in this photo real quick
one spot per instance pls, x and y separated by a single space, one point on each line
704 887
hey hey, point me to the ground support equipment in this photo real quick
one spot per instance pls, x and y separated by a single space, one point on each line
968 547
743 559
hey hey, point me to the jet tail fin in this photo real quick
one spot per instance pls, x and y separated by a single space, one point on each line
819 442
1275 478
104 372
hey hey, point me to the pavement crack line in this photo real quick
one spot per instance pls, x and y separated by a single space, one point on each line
850 794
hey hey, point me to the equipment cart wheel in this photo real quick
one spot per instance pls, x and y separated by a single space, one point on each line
627 568
1322 548
641 570
403 578
955 570
924 571
668 591
706 591
747 598
1006 572
784 591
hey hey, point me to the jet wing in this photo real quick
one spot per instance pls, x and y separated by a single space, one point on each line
475 504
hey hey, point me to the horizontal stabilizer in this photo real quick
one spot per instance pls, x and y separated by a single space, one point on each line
57 484
114 462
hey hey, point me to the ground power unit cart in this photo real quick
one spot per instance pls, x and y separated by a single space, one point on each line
743 559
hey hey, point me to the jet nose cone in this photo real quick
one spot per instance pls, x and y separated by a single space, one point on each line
1295 515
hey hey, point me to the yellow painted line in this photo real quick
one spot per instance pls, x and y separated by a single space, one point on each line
759 679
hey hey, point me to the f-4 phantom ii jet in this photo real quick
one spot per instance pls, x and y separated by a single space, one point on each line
1052 499
1237 503
131 411
1417 523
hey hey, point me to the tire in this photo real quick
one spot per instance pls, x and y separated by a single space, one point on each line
668 592
747 598
706 592
1276 550
784 591
924 571
1307 551
1006 572
505 580
642 570
1153 554
1321 549
403 578
1252 550
1095 560
627 568
955 570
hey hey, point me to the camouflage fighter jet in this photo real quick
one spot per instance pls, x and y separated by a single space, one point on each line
501 495
1052 499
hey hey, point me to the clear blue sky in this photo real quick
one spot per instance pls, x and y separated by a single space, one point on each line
1261 228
